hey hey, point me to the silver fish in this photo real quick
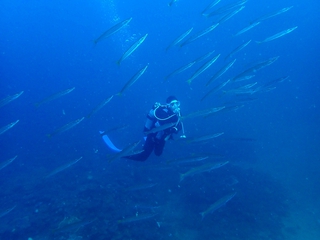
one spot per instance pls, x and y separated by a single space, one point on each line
204 57
133 80
203 168
237 49
221 72
189 65
252 25
230 15
203 113
200 34
215 89
7 127
270 85
180 70
244 77
250 85
10 99
6 163
211 5
270 15
54 96
205 138
2 214
278 35
203 68
250 72
226 8
101 105
192 159
63 167
66 127
218 204
278 80
132 49
160 128
141 187
246 89
180 38
113 30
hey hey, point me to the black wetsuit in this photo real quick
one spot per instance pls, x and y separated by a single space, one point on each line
158 116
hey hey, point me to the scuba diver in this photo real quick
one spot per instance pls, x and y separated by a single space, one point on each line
162 122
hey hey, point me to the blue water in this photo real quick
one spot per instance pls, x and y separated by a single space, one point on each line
271 142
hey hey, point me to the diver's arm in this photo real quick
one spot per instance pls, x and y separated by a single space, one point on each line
181 128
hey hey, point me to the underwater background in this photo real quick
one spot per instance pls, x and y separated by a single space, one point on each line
55 175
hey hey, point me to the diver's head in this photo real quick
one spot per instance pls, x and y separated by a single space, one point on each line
173 104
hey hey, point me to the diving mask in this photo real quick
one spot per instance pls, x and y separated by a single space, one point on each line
174 105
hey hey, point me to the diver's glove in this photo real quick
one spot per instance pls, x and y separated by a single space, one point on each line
174 130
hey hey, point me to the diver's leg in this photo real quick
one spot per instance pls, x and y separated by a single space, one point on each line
158 148
147 150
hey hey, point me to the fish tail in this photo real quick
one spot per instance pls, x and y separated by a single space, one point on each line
181 177
202 215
